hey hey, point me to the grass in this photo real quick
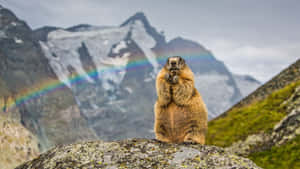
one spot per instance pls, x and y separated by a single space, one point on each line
255 118
284 157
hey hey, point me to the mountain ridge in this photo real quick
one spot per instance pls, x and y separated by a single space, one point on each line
286 76
23 71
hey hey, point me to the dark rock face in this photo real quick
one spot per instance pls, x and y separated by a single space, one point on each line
137 153
25 70
41 33
21 59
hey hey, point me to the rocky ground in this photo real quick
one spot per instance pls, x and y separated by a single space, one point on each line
284 131
137 153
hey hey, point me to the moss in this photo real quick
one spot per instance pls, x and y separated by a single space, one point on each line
284 157
255 118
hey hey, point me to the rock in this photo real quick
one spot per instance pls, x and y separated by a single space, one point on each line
244 148
285 130
17 144
137 153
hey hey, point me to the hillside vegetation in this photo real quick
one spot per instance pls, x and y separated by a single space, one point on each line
286 156
264 126
257 117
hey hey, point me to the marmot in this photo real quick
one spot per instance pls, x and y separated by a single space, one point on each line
180 113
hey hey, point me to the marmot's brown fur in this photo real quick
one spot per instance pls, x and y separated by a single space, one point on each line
180 113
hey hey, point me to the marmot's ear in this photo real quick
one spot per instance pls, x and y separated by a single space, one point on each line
181 60
168 60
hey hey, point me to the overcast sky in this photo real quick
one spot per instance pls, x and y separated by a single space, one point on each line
253 37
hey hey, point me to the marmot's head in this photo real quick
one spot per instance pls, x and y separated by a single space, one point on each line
175 64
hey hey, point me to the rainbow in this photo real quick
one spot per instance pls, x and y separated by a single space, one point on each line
54 84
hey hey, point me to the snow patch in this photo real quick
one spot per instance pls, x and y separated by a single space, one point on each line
56 66
65 44
127 54
94 106
145 42
60 67
121 45
13 23
129 90
2 34
105 42
17 40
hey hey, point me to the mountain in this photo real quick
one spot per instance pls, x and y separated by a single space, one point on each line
111 71
265 125
25 76
137 153
246 83
87 82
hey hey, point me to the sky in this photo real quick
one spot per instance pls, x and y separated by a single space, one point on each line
254 37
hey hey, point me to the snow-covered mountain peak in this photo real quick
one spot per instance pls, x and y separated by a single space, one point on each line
63 45
139 16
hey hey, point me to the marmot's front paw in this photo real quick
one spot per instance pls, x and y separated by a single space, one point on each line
175 79
168 78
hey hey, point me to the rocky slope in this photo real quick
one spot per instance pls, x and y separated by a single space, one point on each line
17 144
137 153
113 68
264 126
25 74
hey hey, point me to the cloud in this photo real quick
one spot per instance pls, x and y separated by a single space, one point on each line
261 62
64 13
251 37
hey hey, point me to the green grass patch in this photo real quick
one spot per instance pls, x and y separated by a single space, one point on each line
252 119
284 157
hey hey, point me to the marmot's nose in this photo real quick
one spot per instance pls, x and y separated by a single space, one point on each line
173 63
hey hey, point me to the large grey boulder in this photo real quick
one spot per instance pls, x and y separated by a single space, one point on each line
137 153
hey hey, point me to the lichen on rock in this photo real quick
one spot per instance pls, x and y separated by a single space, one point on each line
137 153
